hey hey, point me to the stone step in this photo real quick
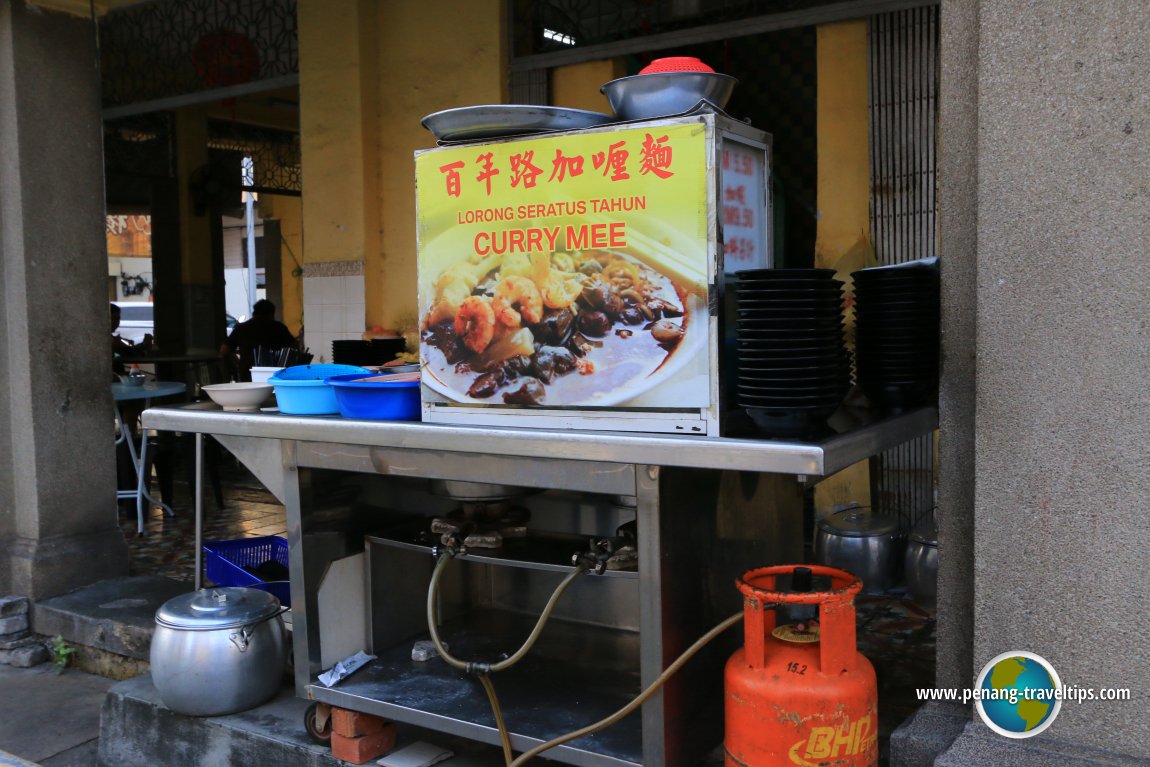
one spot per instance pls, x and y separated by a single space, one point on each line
110 622
137 730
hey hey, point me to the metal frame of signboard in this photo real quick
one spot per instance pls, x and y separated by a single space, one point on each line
697 421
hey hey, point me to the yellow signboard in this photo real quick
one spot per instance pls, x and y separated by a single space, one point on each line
567 271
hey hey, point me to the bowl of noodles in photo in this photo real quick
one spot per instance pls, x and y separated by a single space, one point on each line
589 328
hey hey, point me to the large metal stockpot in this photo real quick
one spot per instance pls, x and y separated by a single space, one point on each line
218 651
922 564
861 542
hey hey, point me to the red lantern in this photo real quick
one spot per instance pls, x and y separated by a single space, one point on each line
225 58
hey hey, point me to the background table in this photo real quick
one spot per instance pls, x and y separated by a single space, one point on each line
196 369
147 392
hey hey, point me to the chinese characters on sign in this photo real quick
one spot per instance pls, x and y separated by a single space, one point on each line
121 224
511 234
655 156
743 208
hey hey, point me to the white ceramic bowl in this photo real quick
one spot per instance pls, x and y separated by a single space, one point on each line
238 396
262 374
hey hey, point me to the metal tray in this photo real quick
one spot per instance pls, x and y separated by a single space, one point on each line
495 120
595 668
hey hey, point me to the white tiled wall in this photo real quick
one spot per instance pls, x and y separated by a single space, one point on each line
332 310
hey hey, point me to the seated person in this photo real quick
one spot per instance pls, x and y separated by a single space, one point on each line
262 330
124 346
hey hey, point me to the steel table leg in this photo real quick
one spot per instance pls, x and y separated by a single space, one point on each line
199 510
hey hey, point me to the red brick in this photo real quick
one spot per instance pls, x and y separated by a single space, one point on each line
352 724
365 747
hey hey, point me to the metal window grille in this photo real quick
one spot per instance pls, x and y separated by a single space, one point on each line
163 50
530 86
275 155
903 71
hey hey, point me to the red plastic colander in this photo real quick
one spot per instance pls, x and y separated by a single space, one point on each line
675 64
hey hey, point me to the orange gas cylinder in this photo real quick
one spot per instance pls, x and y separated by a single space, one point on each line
800 694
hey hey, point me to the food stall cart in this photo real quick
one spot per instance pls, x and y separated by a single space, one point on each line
706 508
576 361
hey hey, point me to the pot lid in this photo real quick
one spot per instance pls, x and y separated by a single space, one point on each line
926 532
217 608
858 522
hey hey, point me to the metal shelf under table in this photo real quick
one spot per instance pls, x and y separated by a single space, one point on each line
552 691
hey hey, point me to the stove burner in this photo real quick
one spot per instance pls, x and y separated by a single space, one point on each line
618 553
481 525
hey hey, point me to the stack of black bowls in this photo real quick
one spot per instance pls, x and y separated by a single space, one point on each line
896 335
793 369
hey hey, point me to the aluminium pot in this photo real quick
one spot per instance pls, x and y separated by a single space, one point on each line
863 543
476 492
922 564
218 651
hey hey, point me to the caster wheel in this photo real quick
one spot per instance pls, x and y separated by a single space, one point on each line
317 722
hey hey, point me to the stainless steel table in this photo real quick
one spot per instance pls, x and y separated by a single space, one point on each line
686 493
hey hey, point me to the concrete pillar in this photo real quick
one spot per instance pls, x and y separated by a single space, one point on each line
339 142
287 212
200 232
433 39
58 517
369 72
1044 200
958 195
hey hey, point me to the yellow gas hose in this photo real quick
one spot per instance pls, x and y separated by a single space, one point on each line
483 669
699 644
504 735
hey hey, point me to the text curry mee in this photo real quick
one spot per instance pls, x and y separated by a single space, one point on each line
569 327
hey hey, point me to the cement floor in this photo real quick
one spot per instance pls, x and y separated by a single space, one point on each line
48 718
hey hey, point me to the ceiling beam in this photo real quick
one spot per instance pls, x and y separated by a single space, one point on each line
773 22
85 8
201 97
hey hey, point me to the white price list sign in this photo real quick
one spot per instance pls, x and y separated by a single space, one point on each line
743 209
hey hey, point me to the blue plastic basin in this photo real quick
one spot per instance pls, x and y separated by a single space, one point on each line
379 400
303 390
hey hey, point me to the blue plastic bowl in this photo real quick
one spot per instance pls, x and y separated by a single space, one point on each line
303 390
379 400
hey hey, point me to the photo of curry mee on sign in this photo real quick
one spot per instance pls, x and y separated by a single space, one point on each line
566 271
